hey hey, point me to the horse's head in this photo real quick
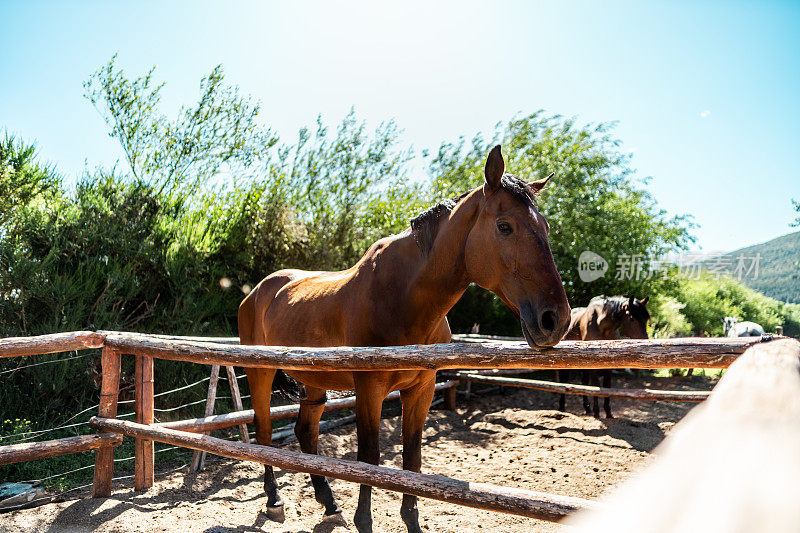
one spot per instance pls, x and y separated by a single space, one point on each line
634 318
507 252
727 324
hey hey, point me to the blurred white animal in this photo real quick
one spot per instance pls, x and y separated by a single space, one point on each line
733 328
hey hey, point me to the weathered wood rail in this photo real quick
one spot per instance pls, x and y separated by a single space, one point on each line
53 343
653 354
584 390
28 451
281 412
515 501
625 353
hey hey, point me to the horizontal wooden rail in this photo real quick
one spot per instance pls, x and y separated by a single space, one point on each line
30 451
56 342
227 420
626 353
194 338
586 390
476 337
479 495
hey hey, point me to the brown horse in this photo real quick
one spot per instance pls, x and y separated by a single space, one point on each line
605 318
399 294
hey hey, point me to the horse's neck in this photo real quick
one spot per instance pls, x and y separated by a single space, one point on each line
436 281
607 324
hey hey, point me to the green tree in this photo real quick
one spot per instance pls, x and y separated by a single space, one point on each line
22 179
347 188
220 133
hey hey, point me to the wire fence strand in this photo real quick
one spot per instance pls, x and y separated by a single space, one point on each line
60 360
28 435
73 471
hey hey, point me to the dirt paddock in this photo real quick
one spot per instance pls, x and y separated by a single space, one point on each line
515 438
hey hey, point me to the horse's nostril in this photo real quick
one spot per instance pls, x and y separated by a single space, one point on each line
548 321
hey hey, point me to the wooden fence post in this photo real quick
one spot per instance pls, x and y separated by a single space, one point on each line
109 395
450 397
237 401
144 450
199 457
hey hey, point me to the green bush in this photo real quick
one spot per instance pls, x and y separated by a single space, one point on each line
698 306
667 318
709 299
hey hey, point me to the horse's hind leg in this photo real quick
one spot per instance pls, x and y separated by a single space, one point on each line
607 400
307 431
369 400
416 402
260 382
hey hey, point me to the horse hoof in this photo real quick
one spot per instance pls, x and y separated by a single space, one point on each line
411 519
336 519
275 513
363 525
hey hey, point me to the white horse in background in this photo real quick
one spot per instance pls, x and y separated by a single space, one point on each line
733 328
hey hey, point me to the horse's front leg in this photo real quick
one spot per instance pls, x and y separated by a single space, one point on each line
586 379
562 376
260 382
307 431
416 402
595 377
369 400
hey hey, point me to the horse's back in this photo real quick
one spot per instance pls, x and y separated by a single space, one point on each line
747 329
255 304
574 331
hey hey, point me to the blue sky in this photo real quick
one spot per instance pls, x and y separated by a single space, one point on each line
706 95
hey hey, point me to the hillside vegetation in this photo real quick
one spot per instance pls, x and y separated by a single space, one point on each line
697 307
779 268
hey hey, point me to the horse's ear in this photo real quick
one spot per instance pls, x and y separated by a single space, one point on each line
630 302
645 300
495 166
538 185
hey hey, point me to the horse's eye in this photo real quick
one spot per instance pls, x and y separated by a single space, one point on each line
504 228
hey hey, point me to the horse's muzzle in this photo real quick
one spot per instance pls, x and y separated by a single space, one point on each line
545 327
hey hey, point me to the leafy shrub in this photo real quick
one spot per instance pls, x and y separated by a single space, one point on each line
709 299
668 319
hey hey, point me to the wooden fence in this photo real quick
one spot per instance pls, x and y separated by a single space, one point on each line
496 354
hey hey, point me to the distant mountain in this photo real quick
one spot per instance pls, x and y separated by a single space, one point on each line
778 268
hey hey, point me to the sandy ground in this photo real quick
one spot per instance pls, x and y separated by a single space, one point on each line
515 439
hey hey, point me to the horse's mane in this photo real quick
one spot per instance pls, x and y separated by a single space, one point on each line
425 226
614 306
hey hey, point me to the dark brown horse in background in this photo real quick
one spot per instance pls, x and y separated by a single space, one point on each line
399 294
603 319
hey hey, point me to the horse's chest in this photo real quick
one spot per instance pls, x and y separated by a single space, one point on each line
325 380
